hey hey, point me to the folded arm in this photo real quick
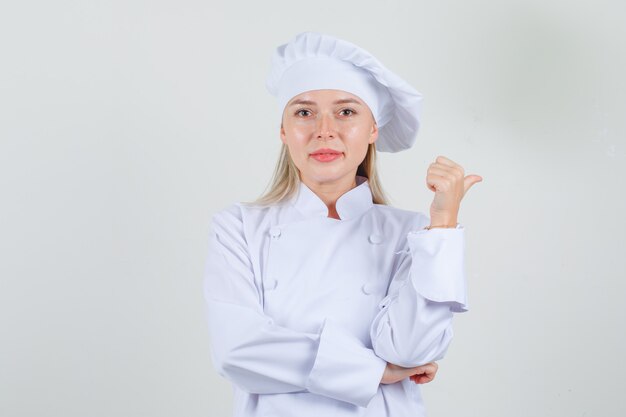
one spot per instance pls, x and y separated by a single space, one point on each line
258 355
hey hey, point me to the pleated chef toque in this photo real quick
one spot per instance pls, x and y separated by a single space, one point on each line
315 61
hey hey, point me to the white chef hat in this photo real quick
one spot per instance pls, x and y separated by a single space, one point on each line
314 61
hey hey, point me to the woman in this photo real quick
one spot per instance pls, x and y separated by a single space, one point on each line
321 299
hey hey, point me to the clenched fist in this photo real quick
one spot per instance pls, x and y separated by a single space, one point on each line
447 179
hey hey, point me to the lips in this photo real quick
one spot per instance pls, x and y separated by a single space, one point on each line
326 155
327 151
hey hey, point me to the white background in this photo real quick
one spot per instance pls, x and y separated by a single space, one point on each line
125 124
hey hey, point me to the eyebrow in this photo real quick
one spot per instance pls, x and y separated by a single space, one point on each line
312 103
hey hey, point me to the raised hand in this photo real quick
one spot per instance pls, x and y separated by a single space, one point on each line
447 179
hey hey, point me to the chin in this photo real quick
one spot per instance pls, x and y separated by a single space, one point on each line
325 177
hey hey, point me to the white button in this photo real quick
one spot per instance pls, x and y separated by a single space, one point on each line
270 284
368 288
375 239
275 232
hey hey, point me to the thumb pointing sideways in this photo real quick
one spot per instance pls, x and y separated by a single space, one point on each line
470 180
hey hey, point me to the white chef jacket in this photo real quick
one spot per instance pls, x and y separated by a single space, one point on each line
304 311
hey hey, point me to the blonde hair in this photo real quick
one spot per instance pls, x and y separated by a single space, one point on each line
286 179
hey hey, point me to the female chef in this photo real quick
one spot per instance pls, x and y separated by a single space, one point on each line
322 300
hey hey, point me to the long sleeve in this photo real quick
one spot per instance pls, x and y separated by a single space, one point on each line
414 324
250 350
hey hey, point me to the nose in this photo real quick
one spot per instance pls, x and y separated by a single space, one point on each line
325 127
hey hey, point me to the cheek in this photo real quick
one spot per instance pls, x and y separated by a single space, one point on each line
296 141
357 135
296 135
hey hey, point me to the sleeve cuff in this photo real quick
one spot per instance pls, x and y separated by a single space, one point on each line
438 265
344 368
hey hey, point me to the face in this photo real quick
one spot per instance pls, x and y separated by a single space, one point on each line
327 119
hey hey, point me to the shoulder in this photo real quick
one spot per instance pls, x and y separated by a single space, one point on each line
244 217
233 214
230 214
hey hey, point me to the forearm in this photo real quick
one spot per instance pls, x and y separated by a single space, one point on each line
264 358
258 356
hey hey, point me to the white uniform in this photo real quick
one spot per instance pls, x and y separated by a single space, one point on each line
304 311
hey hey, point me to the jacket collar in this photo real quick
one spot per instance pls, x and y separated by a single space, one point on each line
349 205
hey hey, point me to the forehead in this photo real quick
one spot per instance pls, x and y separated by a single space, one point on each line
325 97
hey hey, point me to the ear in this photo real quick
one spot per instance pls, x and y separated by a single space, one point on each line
283 137
374 133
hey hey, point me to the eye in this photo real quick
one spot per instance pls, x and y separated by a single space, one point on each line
347 112
303 112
